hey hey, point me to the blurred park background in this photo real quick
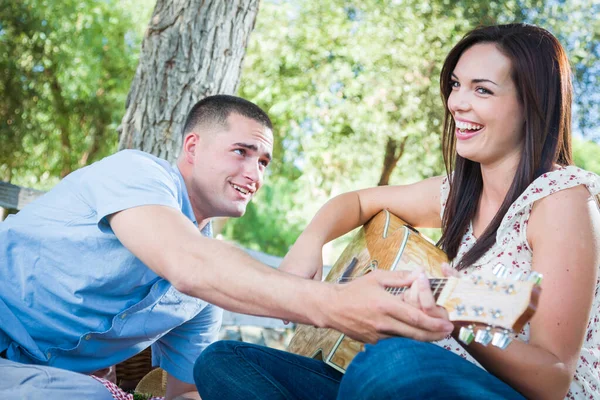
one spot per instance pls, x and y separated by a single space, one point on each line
352 88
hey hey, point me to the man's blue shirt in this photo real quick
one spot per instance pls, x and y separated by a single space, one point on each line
74 297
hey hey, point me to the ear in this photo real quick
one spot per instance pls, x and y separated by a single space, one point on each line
191 142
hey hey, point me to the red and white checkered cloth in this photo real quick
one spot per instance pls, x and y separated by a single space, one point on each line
118 393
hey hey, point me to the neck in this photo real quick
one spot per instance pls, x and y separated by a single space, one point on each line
186 172
497 178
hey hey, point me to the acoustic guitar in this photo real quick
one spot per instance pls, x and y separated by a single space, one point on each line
489 308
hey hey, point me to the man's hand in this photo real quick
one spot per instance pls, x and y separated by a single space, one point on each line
365 311
420 296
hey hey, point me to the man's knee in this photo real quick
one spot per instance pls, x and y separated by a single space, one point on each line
35 382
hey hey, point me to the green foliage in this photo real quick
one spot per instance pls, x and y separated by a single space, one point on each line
270 223
348 83
586 155
343 80
66 70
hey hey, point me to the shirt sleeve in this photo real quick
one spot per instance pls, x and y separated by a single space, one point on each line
177 351
128 179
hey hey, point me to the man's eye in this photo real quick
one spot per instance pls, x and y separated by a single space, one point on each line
264 163
241 152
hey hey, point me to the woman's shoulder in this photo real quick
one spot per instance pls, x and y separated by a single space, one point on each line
567 176
559 179
568 197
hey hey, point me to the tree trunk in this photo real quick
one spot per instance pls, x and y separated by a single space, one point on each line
393 152
192 49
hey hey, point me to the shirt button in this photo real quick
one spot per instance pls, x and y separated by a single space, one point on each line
123 315
49 354
87 337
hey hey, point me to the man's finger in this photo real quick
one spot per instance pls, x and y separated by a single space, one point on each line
398 328
412 296
394 278
414 317
447 270
425 295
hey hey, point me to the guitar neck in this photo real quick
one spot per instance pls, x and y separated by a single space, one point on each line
435 284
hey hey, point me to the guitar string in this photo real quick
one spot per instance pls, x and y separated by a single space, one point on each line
436 284
348 279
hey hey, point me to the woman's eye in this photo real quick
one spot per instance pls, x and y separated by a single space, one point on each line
482 90
454 84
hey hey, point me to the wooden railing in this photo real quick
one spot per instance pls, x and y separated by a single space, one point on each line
16 197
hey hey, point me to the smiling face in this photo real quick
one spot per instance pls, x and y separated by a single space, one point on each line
485 106
224 166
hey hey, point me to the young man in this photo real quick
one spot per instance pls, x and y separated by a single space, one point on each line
119 257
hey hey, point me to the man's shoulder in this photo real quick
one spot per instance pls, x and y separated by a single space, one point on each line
135 156
128 165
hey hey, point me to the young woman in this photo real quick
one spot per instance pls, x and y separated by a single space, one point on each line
512 196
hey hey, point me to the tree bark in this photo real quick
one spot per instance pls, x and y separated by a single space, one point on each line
192 49
393 152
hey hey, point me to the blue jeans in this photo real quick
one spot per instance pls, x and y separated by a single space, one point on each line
396 368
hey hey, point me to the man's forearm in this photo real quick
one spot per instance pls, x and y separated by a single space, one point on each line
226 276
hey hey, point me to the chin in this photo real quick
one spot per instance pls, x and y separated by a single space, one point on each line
237 212
469 154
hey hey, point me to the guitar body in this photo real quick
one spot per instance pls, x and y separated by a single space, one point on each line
385 242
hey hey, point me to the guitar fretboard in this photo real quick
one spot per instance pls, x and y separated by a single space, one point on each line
436 285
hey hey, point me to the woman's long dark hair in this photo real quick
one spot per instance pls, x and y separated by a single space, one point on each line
542 76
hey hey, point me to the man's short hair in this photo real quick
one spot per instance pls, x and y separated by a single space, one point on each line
216 109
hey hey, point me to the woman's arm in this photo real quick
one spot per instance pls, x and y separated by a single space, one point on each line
418 204
564 234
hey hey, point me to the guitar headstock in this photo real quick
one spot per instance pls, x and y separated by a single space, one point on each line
490 307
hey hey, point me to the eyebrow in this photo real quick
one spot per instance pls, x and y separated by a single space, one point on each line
476 80
252 147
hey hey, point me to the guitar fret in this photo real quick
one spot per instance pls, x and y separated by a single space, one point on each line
436 285
440 284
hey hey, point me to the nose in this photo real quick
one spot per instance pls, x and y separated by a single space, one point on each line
458 101
253 172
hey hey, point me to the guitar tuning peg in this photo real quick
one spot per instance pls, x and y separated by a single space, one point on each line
484 336
500 271
518 276
535 277
466 334
501 339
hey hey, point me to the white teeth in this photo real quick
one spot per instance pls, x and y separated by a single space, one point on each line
467 126
239 189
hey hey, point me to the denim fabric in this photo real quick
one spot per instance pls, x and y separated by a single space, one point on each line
400 368
396 368
235 370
